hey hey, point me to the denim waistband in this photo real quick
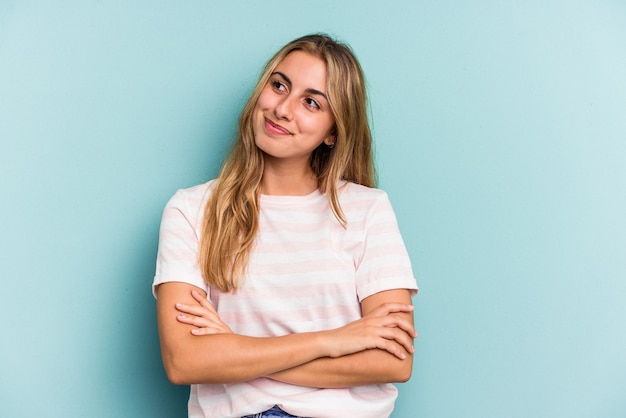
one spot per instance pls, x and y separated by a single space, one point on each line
274 412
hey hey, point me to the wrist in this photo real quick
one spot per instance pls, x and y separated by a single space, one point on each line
325 341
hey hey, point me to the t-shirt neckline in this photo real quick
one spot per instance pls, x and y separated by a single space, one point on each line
278 199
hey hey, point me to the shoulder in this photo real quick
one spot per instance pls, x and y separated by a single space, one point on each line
192 197
364 204
185 209
198 191
355 193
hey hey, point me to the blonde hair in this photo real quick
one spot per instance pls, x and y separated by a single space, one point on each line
231 214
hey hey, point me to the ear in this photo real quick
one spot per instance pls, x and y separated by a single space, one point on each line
332 137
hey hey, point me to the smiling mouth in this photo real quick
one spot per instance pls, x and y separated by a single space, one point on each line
275 128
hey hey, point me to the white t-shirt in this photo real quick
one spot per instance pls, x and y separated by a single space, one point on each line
306 273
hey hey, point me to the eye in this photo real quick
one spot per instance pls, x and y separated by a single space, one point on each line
311 102
278 86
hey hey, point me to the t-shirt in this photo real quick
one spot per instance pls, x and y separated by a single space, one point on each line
306 273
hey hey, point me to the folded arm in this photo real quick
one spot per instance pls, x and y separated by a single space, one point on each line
217 355
371 366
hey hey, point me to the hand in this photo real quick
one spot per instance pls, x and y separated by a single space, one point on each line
381 329
203 317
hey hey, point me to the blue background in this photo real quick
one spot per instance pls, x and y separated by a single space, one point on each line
500 133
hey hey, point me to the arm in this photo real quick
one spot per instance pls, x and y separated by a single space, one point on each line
224 357
362 368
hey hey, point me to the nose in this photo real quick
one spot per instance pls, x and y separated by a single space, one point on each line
284 108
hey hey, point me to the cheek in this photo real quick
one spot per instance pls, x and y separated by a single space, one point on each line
316 127
260 108
265 100
329 126
316 122
259 104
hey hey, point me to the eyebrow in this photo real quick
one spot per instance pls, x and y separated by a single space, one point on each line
308 91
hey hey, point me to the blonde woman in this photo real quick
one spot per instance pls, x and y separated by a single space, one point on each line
283 286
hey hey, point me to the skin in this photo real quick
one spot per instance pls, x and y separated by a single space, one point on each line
377 348
292 117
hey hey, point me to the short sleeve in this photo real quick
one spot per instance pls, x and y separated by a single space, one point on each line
385 263
178 244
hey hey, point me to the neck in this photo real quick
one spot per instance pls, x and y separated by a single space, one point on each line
285 179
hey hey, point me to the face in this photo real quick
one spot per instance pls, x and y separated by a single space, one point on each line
292 116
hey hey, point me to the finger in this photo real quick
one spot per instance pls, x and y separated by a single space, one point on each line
206 331
204 302
197 311
402 323
199 314
392 347
391 307
200 322
392 321
194 320
401 338
396 334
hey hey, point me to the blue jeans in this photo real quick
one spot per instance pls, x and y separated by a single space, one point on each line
274 412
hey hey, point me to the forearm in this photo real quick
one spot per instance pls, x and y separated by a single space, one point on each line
362 368
373 366
213 354
227 358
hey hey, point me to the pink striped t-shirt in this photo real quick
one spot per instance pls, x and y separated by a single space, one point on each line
306 273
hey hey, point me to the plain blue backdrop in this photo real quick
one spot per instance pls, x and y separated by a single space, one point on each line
500 131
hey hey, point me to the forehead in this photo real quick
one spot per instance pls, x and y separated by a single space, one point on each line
305 69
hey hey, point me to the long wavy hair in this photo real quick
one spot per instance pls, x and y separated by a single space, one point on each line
231 213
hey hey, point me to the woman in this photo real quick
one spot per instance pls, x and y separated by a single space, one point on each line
284 285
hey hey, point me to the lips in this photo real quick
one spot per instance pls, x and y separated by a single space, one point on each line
274 128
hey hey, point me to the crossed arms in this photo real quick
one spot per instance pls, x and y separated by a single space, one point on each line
197 347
